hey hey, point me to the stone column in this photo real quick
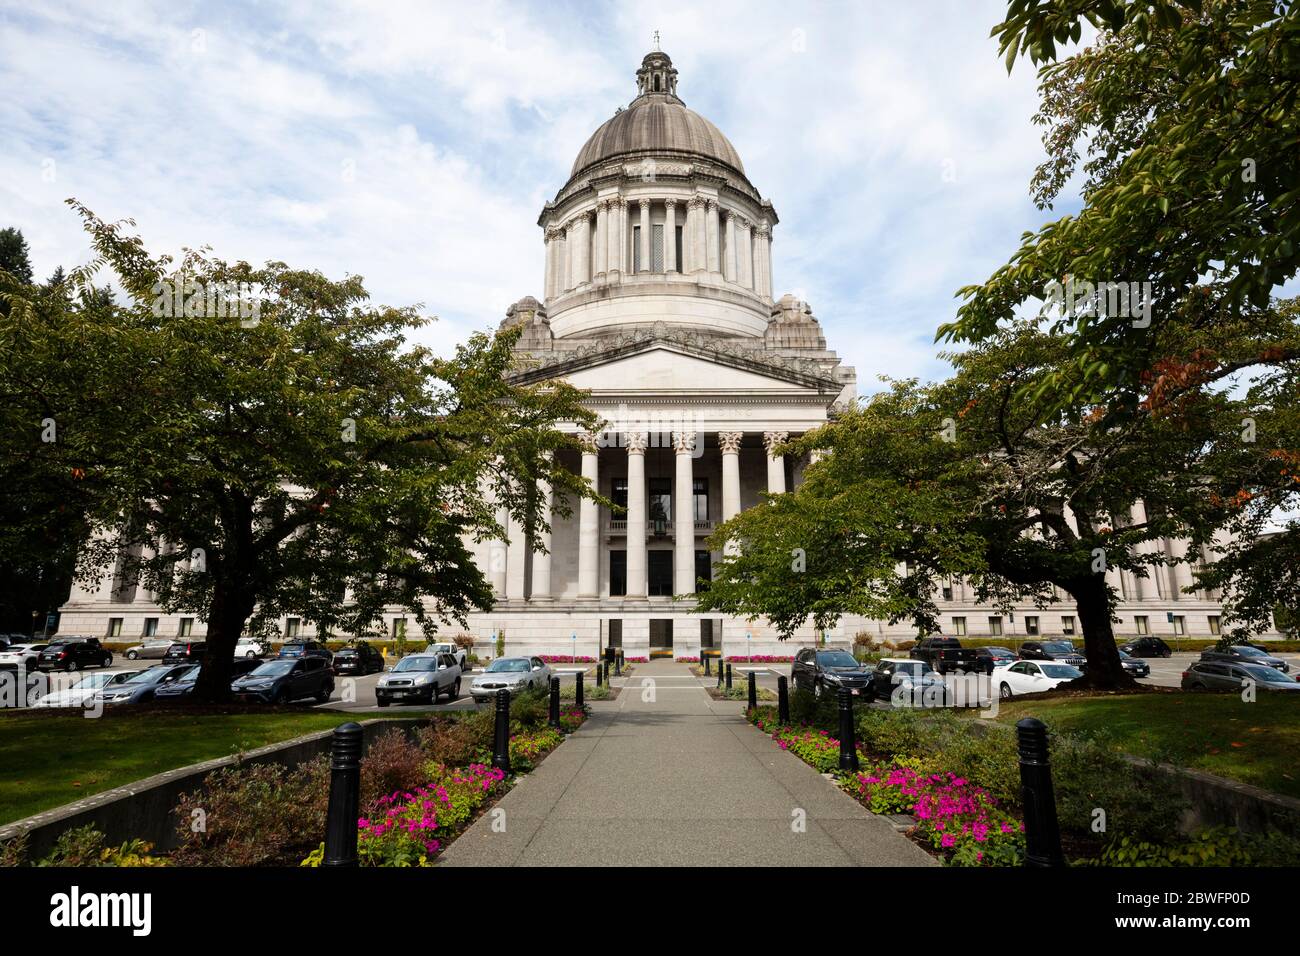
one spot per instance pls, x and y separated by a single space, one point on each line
711 250
541 590
729 442
763 260
775 463
620 212
729 257
581 252
561 261
516 557
548 277
695 261
498 556
670 235
745 254
645 236
588 531
637 571
602 238
683 514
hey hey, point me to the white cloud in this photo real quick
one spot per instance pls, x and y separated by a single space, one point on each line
415 143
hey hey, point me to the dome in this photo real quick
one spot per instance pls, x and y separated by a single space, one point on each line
657 123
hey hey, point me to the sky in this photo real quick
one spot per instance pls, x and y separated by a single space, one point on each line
415 144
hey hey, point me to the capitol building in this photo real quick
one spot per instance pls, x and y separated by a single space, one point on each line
658 299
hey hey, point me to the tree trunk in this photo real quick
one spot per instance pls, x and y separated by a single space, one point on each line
229 613
1104 670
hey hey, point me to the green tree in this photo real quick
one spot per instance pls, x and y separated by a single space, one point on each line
14 256
294 447
974 477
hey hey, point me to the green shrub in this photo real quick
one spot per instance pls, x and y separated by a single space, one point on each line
253 814
86 846
1219 846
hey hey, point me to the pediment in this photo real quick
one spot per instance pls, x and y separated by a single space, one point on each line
674 367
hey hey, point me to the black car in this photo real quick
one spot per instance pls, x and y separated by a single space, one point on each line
359 658
1147 647
1242 654
996 655
184 685
299 649
1228 675
1134 666
825 672
1063 651
284 680
73 654
916 679
185 652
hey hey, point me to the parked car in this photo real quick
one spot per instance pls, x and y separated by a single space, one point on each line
184 685
946 655
825 672
914 677
1146 647
1134 666
455 650
1246 654
83 691
998 656
359 658
420 677
248 647
284 680
1230 675
1033 677
297 649
22 656
1063 651
515 674
73 655
154 647
141 687
185 652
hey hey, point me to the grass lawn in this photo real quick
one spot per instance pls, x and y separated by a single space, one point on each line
47 760
1218 733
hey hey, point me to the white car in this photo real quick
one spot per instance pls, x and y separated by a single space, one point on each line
419 678
1032 677
247 647
515 674
81 693
456 651
21 656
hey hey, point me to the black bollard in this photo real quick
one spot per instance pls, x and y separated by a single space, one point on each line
704 659
783 700
345 796
721 671
728 677
600 674
753 690
501 736
555 703
618 661
1042 832
577 691
848 745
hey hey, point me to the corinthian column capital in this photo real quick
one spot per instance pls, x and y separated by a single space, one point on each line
729 442
772 439
635 442
684 442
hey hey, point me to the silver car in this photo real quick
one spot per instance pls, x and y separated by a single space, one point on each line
419 678
515 674
154 647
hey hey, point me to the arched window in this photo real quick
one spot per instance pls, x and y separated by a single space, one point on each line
657 83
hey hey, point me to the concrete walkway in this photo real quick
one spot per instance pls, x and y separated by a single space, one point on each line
666 776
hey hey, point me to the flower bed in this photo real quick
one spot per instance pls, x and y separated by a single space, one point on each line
566 659
758 659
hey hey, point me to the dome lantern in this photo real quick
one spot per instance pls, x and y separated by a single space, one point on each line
656 75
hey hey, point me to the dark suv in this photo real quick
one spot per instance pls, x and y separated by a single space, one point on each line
1146 647
826 671
359 658
185 652
1063 651
1242 654
284 680
1227 675
304 648
72 654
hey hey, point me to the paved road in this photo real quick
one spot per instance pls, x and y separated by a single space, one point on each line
665 776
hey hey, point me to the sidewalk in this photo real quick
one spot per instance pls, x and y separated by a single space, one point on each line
677 780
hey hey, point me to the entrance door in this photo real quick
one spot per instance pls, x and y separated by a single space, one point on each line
661 637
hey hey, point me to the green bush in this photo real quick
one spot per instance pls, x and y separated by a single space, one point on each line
1220 846
86 846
